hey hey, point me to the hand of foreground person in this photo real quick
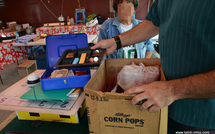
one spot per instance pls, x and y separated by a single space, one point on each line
108 44
157 94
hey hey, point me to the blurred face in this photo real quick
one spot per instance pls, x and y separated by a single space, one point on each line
125 11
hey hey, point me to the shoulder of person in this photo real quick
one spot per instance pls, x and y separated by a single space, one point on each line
136 21
107 22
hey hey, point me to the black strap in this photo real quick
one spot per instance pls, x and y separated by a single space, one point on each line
118 42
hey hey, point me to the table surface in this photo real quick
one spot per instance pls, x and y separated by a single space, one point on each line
42 42
10 100
94 30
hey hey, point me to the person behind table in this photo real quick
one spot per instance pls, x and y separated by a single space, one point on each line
124 22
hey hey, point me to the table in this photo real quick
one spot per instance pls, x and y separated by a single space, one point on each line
72 29
10 54
9 34
42 42
10 100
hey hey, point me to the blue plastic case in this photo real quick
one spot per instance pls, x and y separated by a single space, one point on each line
55 47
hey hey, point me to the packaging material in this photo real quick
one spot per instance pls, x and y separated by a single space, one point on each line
59 73
18 27
24 26
52 117
137 75
11 25
92 23
55 47
112 113
25 39
29 30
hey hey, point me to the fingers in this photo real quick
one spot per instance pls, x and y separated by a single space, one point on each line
138 98
149 104
146 105
106 43
99 45
135 90
154 108
95 46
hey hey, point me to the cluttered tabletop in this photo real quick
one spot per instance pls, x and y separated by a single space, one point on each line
10 100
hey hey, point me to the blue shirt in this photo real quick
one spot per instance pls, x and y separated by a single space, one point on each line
111 28
187 47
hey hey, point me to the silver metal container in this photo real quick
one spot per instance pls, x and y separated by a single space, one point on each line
29 30
18 27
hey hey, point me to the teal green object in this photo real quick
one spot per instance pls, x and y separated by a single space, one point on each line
36 93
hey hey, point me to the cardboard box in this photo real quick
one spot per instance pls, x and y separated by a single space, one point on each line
112 113
26 68
52 117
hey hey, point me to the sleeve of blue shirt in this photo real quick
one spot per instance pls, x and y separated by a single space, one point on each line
102 32
102 35
150 45
153 14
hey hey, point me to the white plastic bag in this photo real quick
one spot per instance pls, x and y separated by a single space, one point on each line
137 75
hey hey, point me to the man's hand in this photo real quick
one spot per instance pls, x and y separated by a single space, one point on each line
157 94
108 44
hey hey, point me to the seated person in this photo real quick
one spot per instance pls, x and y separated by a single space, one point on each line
124 22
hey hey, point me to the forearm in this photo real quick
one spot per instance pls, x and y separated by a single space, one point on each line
148 54
140 33
195 87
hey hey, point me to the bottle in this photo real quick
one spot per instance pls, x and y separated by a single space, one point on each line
17 35
72 21
84 29
68 21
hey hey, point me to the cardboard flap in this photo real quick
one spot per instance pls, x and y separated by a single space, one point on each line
117 96
92 92
145 61
163 121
